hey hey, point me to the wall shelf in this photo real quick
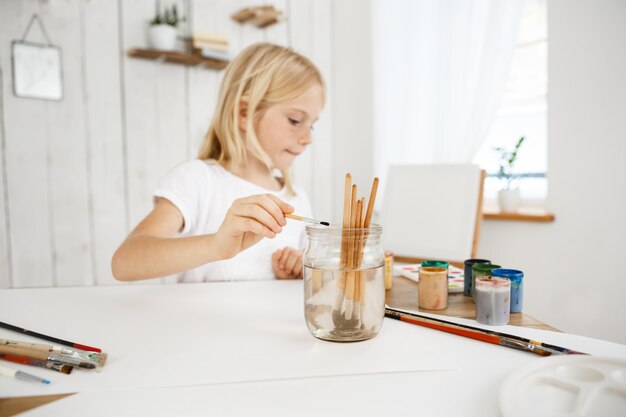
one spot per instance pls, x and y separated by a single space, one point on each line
178 58
541 217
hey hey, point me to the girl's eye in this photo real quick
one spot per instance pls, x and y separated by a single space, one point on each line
294 121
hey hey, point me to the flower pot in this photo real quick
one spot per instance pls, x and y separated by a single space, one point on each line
509 200
162 37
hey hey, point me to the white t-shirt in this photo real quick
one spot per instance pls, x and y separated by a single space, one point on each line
203 191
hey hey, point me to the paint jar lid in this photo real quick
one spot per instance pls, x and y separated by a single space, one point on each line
439 264
484 268
470 262
492 282
512 274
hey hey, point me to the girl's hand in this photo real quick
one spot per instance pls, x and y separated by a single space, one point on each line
287 263
248 221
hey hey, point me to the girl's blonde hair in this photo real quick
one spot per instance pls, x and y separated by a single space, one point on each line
263 74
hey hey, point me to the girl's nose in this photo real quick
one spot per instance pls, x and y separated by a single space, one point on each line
306 138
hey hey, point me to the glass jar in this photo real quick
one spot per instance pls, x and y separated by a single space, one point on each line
344 283
388 270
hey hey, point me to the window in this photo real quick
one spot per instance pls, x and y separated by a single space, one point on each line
523 110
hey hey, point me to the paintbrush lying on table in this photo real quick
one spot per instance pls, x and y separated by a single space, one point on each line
477 333
54 354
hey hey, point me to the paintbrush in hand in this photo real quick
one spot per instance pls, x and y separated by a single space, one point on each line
306 219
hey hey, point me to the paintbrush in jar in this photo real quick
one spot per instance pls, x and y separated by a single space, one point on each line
343 260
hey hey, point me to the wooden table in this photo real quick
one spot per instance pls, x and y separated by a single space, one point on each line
402 295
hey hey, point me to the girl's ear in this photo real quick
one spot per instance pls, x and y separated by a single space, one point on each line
242 118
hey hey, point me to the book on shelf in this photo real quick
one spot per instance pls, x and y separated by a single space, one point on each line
211 53
222 40
210 45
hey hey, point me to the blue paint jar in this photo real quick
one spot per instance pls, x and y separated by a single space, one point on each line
467 273
517 286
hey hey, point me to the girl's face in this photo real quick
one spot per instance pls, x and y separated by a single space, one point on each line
285 129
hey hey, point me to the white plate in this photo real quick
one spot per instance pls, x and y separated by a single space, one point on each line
572 385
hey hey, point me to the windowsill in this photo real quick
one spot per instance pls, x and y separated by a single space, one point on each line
522 215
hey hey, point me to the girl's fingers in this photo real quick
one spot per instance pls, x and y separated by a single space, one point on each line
274 206
290 264
246 224
287 251
284 207
298 269
258 213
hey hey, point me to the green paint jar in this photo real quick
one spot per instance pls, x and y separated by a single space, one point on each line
480 270
436 264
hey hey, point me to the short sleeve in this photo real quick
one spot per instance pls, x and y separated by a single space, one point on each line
180 187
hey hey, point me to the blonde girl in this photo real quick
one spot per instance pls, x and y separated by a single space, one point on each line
221 216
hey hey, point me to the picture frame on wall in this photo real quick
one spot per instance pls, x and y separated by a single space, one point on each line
37 71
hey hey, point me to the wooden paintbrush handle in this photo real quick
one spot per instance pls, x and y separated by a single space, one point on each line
25 351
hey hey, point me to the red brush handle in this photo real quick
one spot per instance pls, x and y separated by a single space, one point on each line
483 337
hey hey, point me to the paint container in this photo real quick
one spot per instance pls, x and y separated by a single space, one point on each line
480 270
388 270
432 288
517 286
493 300
467 274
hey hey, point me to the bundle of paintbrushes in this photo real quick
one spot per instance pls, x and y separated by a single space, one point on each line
357 215
57 358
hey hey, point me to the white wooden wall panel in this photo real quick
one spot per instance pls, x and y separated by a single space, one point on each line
103 107
203 84
278 33
80 173
27 155
5 229
141 80
68 156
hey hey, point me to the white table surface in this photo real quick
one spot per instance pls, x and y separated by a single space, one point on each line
243 348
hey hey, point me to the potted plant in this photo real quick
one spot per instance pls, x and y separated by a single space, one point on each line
508 197
162 32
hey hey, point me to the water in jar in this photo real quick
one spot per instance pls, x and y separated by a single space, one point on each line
344 304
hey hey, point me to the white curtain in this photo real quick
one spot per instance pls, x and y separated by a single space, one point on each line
439 70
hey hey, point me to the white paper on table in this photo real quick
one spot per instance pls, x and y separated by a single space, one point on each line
195 334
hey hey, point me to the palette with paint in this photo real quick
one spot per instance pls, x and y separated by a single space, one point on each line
572 385
455 276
